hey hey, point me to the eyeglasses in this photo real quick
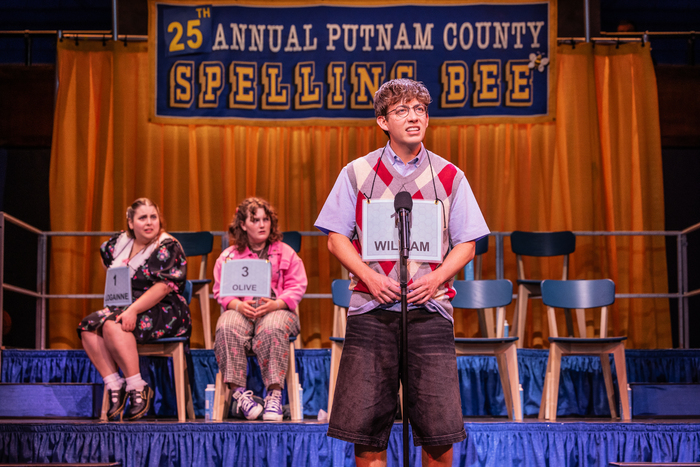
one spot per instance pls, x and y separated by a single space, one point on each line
402 111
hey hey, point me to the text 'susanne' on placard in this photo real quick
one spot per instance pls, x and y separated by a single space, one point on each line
380 236
316 62
118 287
246 278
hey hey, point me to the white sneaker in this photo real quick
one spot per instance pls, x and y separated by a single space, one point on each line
246 404
273 406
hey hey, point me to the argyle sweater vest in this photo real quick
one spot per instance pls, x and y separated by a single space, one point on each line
387 183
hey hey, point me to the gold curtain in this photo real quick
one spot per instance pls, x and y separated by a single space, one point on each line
598 167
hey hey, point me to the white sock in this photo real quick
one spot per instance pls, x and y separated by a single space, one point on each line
135 382
113 381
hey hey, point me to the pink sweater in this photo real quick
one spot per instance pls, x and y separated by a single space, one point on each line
288 273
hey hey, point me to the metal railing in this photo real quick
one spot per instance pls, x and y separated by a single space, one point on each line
682 294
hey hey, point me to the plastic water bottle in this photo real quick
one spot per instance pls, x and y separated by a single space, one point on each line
209 402
505 328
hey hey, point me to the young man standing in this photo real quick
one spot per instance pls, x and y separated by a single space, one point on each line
365 401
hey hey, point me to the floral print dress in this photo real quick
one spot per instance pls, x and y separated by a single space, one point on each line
171 316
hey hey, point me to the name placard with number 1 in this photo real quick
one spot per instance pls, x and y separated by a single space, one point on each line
246 278
118 287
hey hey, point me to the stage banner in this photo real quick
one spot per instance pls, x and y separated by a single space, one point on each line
320 62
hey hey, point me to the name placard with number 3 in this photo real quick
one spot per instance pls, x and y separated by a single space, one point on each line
246 278
118 287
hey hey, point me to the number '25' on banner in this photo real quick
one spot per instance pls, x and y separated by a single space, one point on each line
318 62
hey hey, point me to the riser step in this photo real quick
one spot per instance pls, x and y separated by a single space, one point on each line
665 400
50 400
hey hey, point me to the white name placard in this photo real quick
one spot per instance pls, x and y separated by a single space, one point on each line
246 278
380 233
118 287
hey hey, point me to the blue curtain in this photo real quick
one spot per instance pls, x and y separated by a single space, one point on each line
581 390
303 445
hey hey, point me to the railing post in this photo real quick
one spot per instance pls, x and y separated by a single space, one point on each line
2 270
40 342
682 344
684 298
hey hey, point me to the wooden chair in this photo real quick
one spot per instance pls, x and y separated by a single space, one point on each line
341 301
486 322
580 295
176 348
479 294
200 244
222 394
540 244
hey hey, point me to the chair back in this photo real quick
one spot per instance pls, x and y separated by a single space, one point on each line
481 294
482 245
578 293
195 243
293 239
187 293
542 243
341 292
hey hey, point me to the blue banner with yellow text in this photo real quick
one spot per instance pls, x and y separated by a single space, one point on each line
311 63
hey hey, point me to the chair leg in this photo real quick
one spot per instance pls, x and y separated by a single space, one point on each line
105 405
292 386
336 353
179 369
555 354
204 306
222 398
506 383
543 415
521 314
511 357
607 377
621 369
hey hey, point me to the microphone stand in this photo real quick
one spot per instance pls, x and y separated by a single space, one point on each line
403 279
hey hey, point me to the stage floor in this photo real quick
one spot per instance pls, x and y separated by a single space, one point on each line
490 442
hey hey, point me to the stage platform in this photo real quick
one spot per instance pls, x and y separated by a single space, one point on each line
582 436
489 443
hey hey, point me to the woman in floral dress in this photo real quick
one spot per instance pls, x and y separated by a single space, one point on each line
158 269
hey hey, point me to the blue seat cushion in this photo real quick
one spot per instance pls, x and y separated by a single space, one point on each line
587 340
485 340
337 339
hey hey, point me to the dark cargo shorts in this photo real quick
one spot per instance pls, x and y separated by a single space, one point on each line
365 400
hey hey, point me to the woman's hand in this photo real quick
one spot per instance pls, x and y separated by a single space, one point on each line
243 307
127 319
268 306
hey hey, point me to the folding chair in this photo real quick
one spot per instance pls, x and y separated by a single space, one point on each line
540 244
200 244
176 348
341 301
479 294
580 295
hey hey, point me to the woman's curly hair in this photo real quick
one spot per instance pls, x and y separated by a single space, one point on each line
246 210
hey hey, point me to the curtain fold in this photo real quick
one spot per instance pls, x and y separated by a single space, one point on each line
597 167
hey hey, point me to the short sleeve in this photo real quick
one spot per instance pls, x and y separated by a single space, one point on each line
107 250
168 264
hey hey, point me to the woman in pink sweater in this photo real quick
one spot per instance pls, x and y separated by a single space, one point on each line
260 325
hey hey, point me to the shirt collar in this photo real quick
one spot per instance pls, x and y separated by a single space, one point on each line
416 161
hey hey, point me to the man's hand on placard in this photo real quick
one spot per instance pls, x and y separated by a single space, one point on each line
383 288
424 288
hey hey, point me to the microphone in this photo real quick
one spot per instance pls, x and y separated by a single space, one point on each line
403 203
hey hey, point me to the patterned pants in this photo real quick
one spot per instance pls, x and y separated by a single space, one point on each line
267 337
